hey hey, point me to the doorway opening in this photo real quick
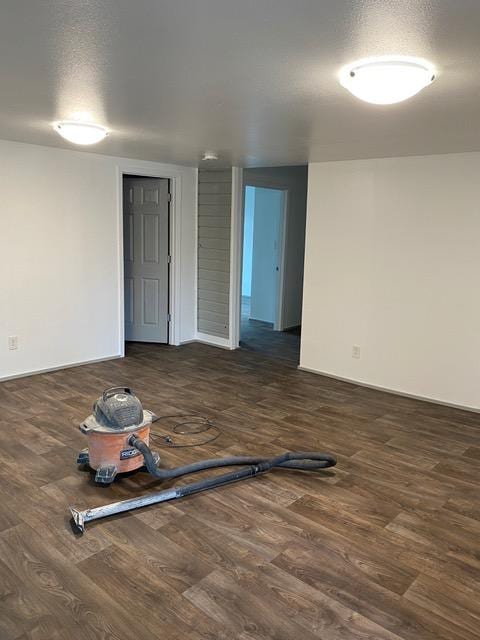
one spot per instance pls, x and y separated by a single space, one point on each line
146 257
262 325
263 254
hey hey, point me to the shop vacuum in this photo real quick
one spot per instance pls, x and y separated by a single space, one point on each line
118 434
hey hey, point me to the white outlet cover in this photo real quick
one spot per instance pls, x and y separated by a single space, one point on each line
356 351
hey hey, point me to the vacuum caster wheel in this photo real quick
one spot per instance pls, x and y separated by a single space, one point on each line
106 475
83 457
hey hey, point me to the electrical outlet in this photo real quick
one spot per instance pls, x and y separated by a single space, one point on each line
12 342
356 351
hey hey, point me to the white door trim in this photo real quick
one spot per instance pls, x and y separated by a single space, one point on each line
236 256
282 236
174 242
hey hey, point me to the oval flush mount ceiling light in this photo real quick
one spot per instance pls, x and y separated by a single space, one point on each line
80 132
210 155
387 79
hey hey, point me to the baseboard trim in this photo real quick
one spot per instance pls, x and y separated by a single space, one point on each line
294 326
214 341
394 392
212 344
209 342
70 365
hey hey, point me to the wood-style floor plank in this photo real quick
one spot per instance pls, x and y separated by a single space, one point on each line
385 546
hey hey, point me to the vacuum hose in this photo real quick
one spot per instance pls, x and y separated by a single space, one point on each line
251 467
306 461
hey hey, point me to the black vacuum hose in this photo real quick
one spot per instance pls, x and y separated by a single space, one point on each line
251 467
304 461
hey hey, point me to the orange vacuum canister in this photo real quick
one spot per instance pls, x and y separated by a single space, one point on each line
117 414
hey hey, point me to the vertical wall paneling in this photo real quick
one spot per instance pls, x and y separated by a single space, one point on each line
214 228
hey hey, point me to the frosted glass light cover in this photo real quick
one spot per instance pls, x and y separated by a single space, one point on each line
386 80
80 132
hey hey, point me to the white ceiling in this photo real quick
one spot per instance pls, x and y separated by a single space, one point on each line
254 80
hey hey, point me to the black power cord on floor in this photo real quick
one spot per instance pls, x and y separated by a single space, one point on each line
192 425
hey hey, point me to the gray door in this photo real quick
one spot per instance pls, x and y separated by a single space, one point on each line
145 218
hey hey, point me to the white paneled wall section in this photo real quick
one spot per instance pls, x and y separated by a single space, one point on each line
214 231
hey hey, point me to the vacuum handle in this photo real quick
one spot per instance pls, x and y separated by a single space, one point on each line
108 393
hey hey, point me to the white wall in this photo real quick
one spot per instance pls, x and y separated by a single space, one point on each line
393 265
60 261
269 207
294 179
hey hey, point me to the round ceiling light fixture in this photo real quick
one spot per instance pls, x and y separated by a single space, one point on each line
80 132
210 155
387 79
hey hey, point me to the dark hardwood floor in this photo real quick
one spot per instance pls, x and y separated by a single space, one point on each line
260 337
384 546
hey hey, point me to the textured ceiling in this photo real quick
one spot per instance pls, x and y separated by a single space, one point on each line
254 80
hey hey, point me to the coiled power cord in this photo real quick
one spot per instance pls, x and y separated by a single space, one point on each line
189 425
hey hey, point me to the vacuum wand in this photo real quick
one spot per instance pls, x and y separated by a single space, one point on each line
301 461
82 517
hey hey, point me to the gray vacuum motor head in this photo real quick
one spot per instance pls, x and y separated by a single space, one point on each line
118 408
